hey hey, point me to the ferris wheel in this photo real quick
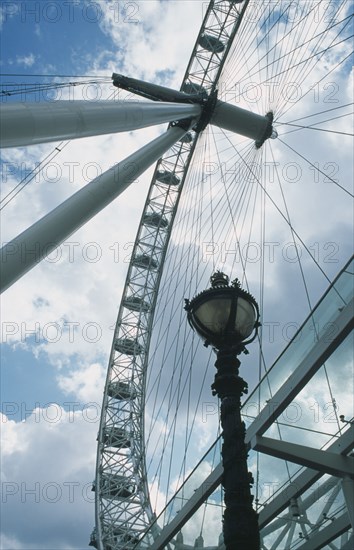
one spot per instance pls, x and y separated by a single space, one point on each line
258 131
227 39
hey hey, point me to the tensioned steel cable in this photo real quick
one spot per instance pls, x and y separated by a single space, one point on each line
248 202
200 224
303 20
198 215
36 88
316 167
319 113
165 339
320 129
33 173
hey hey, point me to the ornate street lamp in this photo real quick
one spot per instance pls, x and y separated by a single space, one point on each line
227 318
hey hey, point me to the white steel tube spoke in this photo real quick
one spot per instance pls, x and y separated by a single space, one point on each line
36 242
33 123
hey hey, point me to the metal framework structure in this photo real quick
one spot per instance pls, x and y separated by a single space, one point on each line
121 519
336 460
124 515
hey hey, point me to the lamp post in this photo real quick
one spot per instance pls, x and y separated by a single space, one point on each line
227 318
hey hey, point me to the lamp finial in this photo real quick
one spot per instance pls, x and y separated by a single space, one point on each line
219 279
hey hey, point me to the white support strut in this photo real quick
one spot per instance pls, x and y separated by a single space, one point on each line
32 123
240 121
36 242
324 461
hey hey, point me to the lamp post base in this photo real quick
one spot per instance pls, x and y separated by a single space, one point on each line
240 522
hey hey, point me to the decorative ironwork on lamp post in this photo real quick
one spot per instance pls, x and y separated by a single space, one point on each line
227 318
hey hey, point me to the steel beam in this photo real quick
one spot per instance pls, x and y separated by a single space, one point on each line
33 123
307 368
303 373
31 246
327 534
348 491
323 461
281 536
349 545
320 491
199 496
303 481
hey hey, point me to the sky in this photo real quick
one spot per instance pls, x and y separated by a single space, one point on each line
51 449
58 320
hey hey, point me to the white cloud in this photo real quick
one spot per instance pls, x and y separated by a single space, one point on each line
156 24
49 476
11 542
59 295
86 384
74 300
11 439
90 263
7 12
26 60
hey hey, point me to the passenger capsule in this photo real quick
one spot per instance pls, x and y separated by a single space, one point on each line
128 346
117 487
164 176
93 539
123 536
121 390
134 303
155 220
145 261
116 437
211 43
187 138
192 88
